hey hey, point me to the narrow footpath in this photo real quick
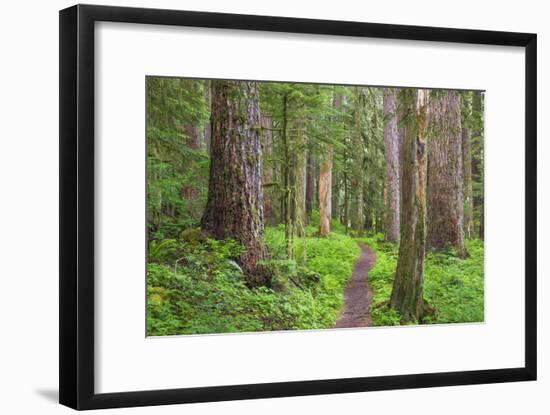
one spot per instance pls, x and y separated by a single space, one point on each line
358 295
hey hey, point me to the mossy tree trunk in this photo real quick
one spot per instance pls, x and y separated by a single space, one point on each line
298 166
310 184
325 189
445 169
207 129
192 140
326 180
392 186
286 175
358 217
337 103
345 209
407 292
268 169
335 192
467 169
477 161
235 196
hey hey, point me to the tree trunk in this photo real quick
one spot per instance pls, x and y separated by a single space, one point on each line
325 188
335 180
207 126
358 217
207 134
286 174
335 204
359 213
268 178
477 159
298 182
310 185
345 213
482 225
445 183
381 213
467 189
235 197
193 142
407 292
391 141
325 181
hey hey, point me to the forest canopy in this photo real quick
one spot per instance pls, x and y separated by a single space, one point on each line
280 206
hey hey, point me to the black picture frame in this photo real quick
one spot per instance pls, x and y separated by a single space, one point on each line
76 280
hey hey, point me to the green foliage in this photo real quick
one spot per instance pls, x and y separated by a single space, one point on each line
177 162
208 294
159 251
453 287
195 284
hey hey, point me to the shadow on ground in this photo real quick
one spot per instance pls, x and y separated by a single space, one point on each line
51 395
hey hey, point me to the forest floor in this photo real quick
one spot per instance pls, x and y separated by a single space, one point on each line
358 295
345 282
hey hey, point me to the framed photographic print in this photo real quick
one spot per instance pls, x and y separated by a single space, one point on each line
257 206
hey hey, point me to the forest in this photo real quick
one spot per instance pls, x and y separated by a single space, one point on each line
290 206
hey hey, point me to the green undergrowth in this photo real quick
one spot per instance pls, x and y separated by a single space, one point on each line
195 286
453 287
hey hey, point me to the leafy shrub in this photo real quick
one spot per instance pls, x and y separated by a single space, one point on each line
453 287
208 294
161 250
207 291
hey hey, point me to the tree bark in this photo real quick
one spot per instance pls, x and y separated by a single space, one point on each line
345 213
299 172
335 180
391 141
445 169
335 204
467 185
310 184
235 197
268 171
207 134
325 188
286 174
358 218
477 160
207 126
325 181
193 142
407 292
381 212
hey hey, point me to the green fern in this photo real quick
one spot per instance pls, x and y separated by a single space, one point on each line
160 250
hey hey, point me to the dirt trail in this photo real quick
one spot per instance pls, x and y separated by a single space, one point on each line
358 294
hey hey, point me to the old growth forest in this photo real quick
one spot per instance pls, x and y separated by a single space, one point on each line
285 206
